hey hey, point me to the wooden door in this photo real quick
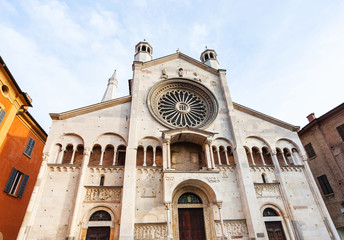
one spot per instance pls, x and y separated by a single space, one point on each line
275 230
98 233
191 224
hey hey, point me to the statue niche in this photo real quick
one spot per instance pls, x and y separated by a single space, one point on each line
187 156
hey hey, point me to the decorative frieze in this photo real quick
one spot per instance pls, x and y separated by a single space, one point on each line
108 194
232 228
149 169
150 231
298 168
261 168
103 169
64 168
213 179
267 190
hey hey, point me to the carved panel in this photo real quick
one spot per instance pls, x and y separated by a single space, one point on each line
264 190
150 231
232 228
108 194
213 179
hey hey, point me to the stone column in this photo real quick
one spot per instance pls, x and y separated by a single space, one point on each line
114 156
169 224
154 152
252 158
34 200
168 152
261 155
209 142
207 155
285 160
218 156
78 195
292 158
219 206
144 157
226 155
61 155
73 155
101 157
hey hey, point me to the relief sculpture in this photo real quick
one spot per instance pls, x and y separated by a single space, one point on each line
103 194
154 231
237 228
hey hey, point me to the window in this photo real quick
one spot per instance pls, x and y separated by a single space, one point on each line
29 147
16 183
325 185
102 179
310 150
269 212
2 115
100 216
189 198
340 130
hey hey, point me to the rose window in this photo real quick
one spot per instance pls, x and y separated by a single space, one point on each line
181 103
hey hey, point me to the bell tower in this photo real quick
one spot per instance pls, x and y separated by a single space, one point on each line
143 52
209 57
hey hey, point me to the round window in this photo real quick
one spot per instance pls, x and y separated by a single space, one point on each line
179 103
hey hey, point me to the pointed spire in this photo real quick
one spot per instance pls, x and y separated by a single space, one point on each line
110 92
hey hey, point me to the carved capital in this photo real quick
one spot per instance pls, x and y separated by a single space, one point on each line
87 151
168 205
219 204
45 156
273 152
209 141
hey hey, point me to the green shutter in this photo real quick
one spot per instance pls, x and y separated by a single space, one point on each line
23 185
2 115
10 180
29 147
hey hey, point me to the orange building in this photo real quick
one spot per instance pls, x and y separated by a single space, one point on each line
21 144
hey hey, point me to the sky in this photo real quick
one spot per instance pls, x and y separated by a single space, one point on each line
283 58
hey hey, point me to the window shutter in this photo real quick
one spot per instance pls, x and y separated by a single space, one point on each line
10 180
310 151
29 147
23 185
2 115
340 130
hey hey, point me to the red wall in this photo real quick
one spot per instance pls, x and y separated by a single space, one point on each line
12 209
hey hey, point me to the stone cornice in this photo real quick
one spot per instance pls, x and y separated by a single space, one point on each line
265 117
181 56
90 108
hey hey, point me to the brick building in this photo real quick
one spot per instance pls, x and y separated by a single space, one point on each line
323 139
21 145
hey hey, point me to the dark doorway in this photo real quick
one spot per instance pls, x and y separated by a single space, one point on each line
275 230
191 224
98 233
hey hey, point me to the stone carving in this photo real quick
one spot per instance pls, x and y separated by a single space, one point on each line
232 228
262 168
212 83
180 72
163 74
169 178
153 231
63 168
213 179
101 169
148 193
196 78
112 194
264 190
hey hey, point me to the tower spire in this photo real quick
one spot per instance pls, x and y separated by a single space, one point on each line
110 92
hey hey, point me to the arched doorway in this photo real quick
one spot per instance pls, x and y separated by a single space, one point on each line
99 232
190 217
192 212
273 223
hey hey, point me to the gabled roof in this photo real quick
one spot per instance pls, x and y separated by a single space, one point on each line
265 117
90 108
180 56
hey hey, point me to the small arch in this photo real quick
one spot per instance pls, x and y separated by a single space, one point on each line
102 180
267 156
79 154
67 156
280 157
121 152
216 159
189 198
57 152
256 156
269 212
139 156
100 216
148 49
248 155
264 178
144 47
211 55
95 155
222 155
230 155
296 156
149 156
287 156
158 157
206 57
109 154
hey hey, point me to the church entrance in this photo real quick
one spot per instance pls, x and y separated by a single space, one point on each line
275 230
191 224
98 233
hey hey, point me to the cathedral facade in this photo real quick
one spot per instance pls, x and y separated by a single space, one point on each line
176 159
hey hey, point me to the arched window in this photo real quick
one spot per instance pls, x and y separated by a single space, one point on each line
102 180
149 156
264 178
67 157
121 155
211 55
100 216
267 156
79 154
269 212
280 157
189 198
206 57
158 156
108 155
248 155
139 156
143 48
95 155
256 156
216 159
149 50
